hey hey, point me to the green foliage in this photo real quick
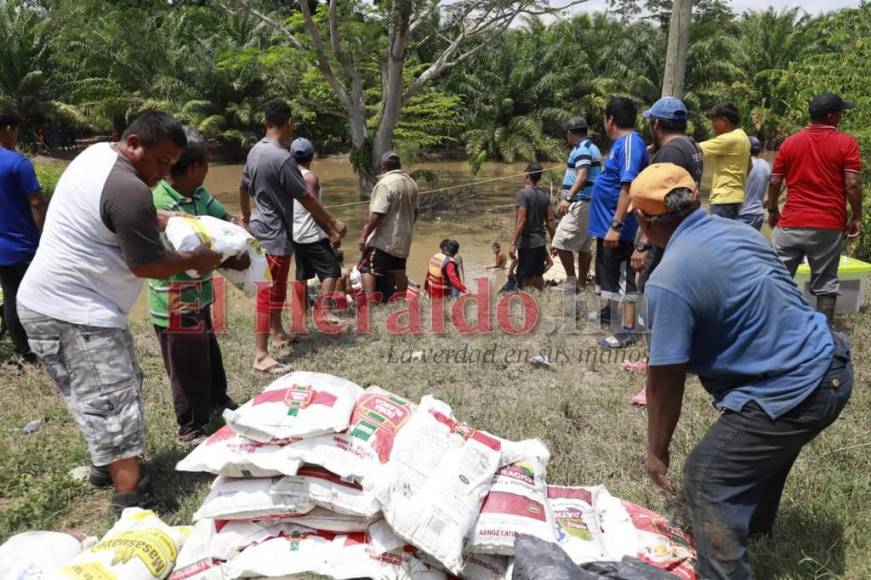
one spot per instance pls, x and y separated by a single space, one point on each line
48 174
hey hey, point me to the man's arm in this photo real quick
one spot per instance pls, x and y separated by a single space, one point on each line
775 186
665 388
245 204
334 228
370 226
519 223
612 238
853 183
201 259
581 175
551 223
38 208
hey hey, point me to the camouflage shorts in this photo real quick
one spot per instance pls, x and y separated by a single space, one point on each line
95 370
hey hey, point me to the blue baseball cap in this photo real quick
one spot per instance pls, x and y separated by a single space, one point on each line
667 108
302 148
755 145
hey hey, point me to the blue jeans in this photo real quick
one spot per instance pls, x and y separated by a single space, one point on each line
735 476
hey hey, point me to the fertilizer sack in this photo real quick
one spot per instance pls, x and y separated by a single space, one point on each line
29 555
229 240
138 547
577 527
230 454
253 498
299 404
632 530
432 488
300 551
329 491
366 444
329 521
517 502
194 561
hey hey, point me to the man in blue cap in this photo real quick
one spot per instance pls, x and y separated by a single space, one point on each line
752 212
314 252
668 129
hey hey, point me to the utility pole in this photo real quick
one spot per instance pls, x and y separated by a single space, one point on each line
676 55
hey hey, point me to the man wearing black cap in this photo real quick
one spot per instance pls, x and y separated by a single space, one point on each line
386 238
821 167
572 235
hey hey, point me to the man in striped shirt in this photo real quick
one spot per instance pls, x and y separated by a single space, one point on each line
572 233
180 305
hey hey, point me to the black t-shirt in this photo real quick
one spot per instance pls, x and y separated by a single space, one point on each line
536 203
684 152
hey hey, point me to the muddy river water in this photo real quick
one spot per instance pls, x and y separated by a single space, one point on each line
339 188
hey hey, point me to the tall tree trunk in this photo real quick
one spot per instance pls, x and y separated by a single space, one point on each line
676 55
392 78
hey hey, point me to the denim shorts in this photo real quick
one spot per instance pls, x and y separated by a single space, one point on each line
95 370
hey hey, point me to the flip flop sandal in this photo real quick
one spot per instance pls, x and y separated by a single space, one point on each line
276 369
640 366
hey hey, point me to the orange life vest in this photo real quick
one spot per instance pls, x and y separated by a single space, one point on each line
436 280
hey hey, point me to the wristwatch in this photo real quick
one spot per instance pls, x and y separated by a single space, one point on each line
616 226
642 247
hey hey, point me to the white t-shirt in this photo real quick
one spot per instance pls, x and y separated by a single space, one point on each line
100 223
305 228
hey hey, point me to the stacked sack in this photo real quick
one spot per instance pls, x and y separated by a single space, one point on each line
303 478
317 475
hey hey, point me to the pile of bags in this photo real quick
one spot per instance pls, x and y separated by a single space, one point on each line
317 475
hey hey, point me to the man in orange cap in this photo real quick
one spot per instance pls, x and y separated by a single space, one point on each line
722 306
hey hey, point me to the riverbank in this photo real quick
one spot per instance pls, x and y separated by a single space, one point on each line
579 408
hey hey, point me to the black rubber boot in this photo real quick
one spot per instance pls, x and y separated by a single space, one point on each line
99 477
826 304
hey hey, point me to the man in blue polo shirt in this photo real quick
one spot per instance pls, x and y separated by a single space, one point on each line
722 306
611 225
22 213
572 233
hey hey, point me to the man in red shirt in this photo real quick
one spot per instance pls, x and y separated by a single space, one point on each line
821 167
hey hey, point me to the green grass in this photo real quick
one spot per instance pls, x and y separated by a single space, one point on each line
579 408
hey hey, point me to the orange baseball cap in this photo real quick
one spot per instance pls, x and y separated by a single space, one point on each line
649 189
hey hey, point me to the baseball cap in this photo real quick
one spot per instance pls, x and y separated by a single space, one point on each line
667 108
390 156
828 103
649 189
302 148
755 145
575 124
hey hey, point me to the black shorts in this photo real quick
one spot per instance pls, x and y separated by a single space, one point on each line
316 259
614 274
530 262
379 263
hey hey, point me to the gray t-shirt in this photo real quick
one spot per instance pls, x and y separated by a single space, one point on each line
273 181
536 203
756 186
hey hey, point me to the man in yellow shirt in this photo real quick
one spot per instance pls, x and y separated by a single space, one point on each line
729 155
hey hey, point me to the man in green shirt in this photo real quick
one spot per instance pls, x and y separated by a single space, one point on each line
180 306
729 155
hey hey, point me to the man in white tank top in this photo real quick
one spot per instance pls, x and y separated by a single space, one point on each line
314 252
101 239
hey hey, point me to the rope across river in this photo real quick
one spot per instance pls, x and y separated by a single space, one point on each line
440 189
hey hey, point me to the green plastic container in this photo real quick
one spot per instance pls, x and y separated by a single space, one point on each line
852 273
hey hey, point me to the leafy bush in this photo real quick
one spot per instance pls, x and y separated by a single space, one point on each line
48 173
